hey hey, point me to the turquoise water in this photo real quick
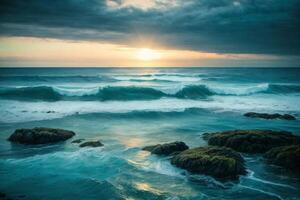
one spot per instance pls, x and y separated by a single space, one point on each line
130 108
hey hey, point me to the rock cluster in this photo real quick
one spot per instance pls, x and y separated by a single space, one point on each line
214 161
221 159
279 147
42 135
252 141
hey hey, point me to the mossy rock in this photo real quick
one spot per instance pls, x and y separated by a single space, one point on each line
166 149
40 135
218 162
285 156
252 141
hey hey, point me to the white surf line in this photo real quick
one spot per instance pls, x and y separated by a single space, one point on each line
264 192
252 177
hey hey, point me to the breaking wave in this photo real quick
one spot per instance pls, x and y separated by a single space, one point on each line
127 93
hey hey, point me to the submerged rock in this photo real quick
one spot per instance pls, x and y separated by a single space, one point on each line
50 111
2 195
269 116
78 141
166 149
285 156
252 141
91 144
40 135
218 162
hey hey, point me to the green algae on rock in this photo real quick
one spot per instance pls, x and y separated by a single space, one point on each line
218 162
40 135
285 156
251 141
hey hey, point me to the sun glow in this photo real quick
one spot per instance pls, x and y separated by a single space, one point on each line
148 54
29 51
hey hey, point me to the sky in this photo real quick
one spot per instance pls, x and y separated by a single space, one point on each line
150 33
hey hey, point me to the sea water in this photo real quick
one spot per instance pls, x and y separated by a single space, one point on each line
128 108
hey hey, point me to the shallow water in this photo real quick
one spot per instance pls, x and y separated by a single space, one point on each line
130 108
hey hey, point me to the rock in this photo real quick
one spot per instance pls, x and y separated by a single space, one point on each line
269 116
50 111
78 141
91 144
218 162
2 195
252 141
166 149
40 135
285 156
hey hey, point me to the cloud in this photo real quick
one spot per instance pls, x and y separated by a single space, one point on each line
221 26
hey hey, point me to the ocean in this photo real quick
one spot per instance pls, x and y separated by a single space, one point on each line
129 108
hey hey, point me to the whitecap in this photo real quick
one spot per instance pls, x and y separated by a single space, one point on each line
12 110
76 91
238 90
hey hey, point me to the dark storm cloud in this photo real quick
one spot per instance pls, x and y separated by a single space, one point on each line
224 26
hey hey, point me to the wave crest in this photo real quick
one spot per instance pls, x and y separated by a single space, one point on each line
54 93
31 93
239 91
128 93
194 92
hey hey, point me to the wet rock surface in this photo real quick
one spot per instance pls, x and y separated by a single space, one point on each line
285 156
167 148
40 135
251 141
218 162
91 144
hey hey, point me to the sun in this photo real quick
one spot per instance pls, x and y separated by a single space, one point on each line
146 54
